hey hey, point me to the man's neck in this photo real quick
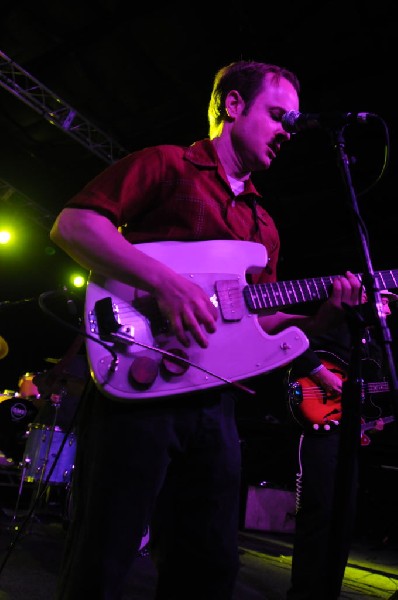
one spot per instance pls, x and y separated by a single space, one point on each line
226 155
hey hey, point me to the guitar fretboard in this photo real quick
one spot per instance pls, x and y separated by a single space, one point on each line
287 293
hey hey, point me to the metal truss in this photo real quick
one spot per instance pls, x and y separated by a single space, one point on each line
57 112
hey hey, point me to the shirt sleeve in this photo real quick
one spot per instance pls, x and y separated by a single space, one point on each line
305 364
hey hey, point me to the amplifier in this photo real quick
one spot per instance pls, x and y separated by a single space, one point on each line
270 509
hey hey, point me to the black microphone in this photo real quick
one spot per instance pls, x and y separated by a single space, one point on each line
294 121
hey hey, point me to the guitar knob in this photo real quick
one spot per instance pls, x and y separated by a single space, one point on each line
143 371
173 365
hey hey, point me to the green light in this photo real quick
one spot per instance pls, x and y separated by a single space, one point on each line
78 281
5 237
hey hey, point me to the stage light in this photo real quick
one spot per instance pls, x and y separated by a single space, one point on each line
5 237
78 281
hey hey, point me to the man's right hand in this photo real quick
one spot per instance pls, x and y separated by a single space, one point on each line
328 381
188 309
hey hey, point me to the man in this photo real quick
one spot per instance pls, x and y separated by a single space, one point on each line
178 459
321 548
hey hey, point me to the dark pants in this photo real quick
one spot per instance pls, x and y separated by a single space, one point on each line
174 466
326 501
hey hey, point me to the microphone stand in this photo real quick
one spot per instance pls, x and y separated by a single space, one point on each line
345 495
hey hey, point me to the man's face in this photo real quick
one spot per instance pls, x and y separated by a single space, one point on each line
257 136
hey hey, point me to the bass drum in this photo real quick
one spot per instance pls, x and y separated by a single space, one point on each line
47 451
16 414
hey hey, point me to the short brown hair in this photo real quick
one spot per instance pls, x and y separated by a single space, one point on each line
245 76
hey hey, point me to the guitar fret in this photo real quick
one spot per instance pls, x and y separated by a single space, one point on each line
387 279
251 297
381 386
290 294
282 293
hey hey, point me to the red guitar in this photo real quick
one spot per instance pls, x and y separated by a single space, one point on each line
310 405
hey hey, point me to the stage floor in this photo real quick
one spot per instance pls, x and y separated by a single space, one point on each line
30 561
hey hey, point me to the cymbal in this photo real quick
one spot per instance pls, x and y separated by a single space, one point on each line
54 361
3 348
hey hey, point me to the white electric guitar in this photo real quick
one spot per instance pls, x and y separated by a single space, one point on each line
134 357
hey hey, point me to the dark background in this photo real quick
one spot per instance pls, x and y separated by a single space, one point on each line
143 73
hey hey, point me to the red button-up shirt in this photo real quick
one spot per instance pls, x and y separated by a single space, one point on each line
180 193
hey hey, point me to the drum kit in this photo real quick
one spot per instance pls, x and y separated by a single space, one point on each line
32 443
29 444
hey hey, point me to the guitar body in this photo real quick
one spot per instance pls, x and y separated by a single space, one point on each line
312 408
309 404
125 322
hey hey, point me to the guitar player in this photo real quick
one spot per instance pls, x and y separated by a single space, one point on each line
178 464
322 370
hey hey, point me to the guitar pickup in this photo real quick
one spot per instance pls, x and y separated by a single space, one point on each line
108 327
105 317
230 299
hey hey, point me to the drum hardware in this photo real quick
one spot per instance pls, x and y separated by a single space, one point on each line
16 413
6 395
49 471
48 459
49 455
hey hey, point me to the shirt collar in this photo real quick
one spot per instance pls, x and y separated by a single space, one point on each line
203 153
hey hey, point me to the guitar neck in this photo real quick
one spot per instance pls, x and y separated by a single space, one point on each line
288 293
377 387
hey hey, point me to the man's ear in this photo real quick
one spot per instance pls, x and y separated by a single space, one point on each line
234 104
